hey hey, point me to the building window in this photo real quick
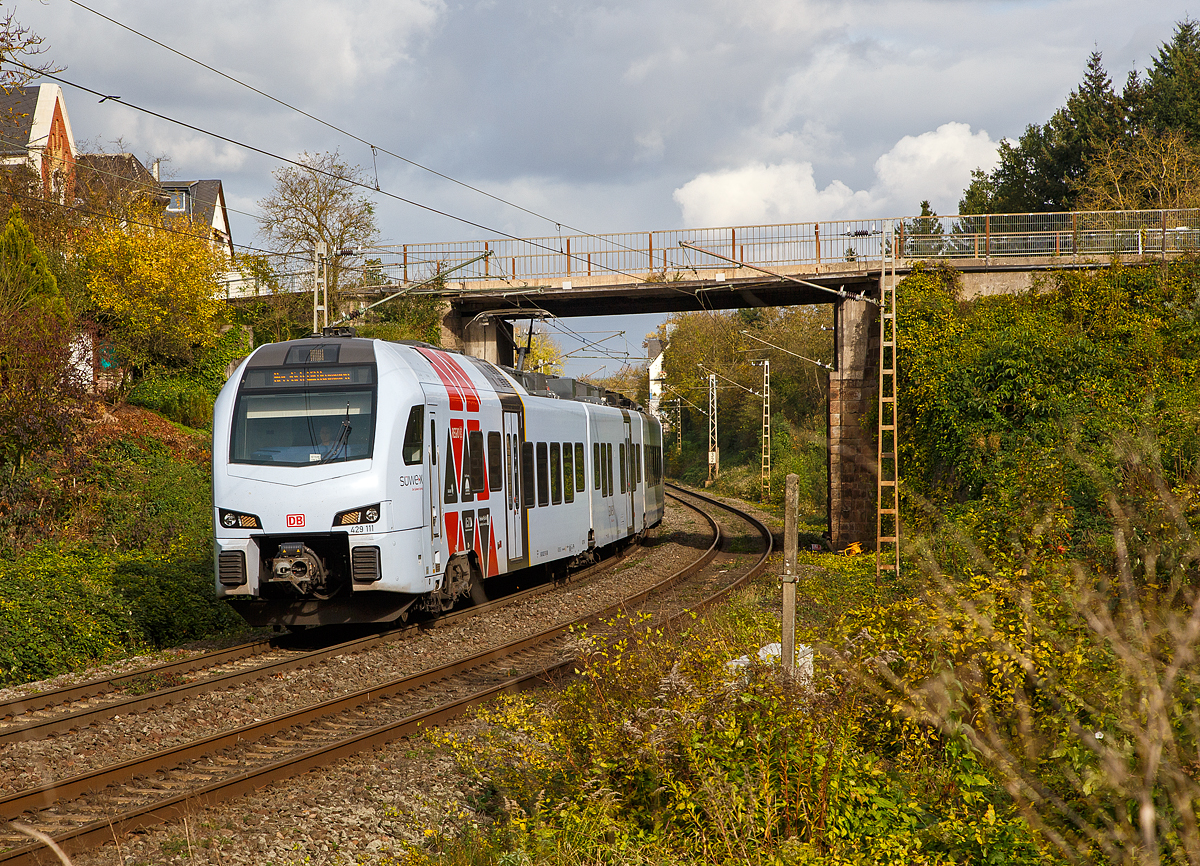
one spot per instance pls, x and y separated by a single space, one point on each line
178 200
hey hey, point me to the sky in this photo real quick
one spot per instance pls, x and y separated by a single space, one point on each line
629 115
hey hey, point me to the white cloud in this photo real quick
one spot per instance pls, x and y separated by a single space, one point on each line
935 165
759 193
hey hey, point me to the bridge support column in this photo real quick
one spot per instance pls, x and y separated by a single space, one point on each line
488 338
853 393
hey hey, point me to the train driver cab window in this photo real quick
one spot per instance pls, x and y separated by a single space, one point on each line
580 476
495 461
543 475
527 494
568 473
304 417
475 444
412 435
596 465
555 474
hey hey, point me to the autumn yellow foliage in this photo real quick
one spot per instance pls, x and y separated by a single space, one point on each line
154 286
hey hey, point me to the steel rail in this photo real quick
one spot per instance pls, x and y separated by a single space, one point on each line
160 697
67 694
14 804
164 810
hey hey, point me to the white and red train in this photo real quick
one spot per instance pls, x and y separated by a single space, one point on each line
355 480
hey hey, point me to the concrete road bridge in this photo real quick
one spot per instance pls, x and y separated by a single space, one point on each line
839 262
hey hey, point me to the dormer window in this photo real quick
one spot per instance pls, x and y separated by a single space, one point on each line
178 200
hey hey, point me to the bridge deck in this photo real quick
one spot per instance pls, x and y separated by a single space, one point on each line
648 272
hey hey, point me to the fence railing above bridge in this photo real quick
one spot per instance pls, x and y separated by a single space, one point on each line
657 256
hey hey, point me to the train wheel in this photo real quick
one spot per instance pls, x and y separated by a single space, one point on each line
478 593
456 584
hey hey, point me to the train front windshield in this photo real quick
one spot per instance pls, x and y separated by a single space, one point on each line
282 419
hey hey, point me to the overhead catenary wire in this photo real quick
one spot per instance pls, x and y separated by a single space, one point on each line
105 97
160 227
375 148
559 224
272 155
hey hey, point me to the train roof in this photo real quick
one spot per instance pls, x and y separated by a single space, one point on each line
343 346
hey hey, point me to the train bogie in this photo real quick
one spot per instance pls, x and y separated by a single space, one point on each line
355 479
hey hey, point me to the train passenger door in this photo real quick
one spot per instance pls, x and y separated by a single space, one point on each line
512 485
433 483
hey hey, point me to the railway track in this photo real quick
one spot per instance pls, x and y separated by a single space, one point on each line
48 713
95 807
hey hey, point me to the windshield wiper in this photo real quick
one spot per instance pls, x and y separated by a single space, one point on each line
341 441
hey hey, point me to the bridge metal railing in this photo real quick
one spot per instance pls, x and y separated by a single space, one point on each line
656 256
1088 234
653 256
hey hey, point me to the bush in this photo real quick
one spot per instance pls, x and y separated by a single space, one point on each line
182 400
58 610
661 753
187 396
172 602
150 501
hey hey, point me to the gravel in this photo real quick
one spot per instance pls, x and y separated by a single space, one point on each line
365 809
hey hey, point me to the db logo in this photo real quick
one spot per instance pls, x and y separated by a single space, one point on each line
295 520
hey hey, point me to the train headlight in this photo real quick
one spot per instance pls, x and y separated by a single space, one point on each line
238 520
366 514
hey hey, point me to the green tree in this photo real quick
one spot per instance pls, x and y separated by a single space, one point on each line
924 236
545 355
39 387
1040 171
1171 95
27 285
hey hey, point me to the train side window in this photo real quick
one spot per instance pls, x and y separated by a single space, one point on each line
450 492
621 455
596 465
604 491
433 442
637 461
555 473
568 473
495 461
543 475
478 478
580 476
608 476
412 435
527 495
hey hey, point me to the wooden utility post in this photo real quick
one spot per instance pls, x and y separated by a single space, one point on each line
790 544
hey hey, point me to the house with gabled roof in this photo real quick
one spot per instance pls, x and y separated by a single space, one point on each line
203 202
103 180
35 131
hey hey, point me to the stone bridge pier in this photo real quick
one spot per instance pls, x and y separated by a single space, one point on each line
852 449
479 336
